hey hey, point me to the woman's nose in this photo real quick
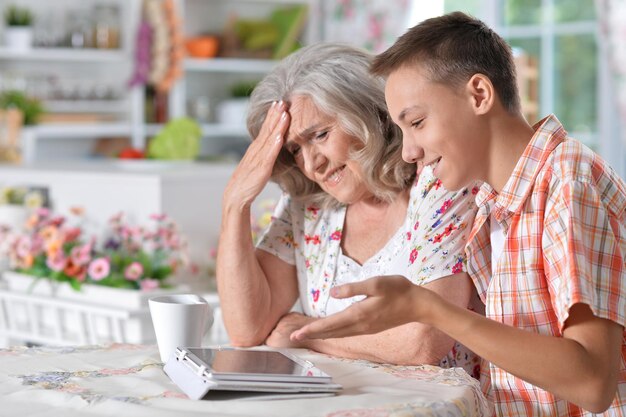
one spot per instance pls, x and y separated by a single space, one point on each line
314 161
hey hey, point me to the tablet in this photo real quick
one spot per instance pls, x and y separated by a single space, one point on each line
228 364
197 371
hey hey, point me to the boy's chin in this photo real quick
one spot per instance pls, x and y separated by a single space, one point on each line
454 184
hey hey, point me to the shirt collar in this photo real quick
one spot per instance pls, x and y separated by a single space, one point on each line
549 133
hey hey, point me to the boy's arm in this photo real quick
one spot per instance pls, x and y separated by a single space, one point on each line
580 367
408 344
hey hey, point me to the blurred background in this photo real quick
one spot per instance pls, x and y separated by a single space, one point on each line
123 111
108 75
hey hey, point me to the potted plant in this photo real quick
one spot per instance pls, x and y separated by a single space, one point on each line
18 32
15 205
58 259
233 111
64 287
31 108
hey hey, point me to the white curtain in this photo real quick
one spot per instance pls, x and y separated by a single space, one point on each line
370 24
612 20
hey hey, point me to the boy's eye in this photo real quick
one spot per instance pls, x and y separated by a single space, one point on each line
417 123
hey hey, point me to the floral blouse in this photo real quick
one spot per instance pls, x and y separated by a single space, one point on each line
429 245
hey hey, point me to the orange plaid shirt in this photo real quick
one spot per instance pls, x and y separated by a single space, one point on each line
563 212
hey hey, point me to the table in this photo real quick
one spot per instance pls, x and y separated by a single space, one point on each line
128 380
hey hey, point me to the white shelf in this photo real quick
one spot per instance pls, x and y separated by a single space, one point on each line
215 130
201 77
86 106
231 65
64 54
208 130
80 131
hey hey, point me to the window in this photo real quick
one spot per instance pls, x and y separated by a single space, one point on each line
562 35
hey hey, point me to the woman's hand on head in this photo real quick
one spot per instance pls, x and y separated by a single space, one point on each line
255 168
391 301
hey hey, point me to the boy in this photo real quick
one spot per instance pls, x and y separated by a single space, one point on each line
547 250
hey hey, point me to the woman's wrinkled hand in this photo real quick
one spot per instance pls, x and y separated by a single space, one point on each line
279 338
255 168
391 301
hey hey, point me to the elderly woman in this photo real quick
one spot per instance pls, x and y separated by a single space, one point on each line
352 209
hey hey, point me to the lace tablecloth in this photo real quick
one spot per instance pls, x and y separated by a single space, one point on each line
128 380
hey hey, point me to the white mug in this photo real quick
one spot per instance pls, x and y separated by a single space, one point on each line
179 321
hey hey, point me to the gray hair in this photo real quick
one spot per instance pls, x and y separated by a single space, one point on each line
336 78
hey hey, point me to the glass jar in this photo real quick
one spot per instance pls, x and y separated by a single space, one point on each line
79 29
106 29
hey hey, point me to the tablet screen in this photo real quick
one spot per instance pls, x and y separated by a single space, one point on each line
255 364
233 361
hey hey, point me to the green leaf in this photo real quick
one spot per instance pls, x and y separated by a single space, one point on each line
179 139
30 107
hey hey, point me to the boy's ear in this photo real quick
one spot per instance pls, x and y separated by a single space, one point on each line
481 93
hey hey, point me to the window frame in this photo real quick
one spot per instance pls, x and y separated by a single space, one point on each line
606 140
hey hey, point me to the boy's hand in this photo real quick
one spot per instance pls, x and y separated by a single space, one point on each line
255 168
391 301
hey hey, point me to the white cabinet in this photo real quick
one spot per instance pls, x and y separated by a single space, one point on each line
211 79
87 85
204 79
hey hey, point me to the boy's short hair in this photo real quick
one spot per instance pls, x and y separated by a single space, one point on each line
452 48
337 80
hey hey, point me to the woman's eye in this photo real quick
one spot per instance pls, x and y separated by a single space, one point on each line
321 135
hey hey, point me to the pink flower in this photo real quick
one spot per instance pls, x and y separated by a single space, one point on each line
72 234
43 212
315 239
446 205
23 246
413 256
336 235
314 210
133 271
81 255
99 269
149 284
57 261
458 267
158 217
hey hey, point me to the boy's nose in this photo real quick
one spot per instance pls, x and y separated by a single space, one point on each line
411 153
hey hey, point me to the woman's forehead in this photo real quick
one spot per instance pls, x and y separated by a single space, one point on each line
304 112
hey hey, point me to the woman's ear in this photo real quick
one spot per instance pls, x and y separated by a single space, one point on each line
481 93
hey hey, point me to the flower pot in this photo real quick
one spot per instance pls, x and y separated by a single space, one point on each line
13 216
49 312
93 294
18 38
233 111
